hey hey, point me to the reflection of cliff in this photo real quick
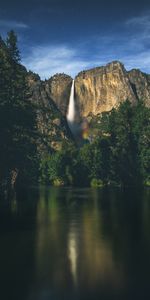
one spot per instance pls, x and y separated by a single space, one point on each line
91 243
71 252
98 266
52 271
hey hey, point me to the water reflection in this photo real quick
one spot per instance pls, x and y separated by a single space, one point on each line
17 245
98 266
73 252
76 244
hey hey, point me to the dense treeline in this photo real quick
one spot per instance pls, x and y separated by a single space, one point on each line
119 155
17 118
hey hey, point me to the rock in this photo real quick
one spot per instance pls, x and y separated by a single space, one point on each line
58 88
97 90
52 126
103 88
141 85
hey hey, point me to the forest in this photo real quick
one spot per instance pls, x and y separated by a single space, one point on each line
118 155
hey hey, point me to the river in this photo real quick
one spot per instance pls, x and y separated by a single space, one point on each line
72 244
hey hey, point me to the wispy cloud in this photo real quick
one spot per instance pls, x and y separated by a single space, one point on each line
140 61
143 20
48 60
10 24
130 44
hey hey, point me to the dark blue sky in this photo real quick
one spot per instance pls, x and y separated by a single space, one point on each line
69 36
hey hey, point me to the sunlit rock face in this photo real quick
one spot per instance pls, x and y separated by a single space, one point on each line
100 89
95 91
141 85
58 88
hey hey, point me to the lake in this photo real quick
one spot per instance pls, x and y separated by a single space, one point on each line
69 244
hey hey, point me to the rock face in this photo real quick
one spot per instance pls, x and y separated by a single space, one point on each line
141 85
101 89
51 125
58 88
96 91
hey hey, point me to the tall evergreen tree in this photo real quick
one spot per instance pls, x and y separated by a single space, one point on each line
17 117
11 43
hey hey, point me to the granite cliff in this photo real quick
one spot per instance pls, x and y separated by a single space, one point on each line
141 85
100 89
58 88
96 91
52 126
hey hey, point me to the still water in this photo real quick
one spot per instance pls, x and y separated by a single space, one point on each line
59 243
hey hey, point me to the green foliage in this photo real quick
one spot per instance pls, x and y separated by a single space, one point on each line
13 50
118 156
17 117
128 128
141 132
122 144
59 167
93 161
96 183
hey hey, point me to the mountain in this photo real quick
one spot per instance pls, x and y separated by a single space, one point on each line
58 88
97 90
100 89
141 85
52 127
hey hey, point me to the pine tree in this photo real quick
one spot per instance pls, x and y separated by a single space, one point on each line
11 43
17 117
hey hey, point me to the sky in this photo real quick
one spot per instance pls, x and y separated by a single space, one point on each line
66 36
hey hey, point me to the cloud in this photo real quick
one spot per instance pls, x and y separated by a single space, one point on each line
48 60
10 24
139 61
142 21
130 45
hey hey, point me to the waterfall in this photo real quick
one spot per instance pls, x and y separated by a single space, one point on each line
71 107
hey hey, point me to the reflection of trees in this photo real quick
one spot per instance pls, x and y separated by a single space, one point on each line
98 270
71 249
51 245
17 241
126 225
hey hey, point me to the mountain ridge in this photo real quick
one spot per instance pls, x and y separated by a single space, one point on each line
99 89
